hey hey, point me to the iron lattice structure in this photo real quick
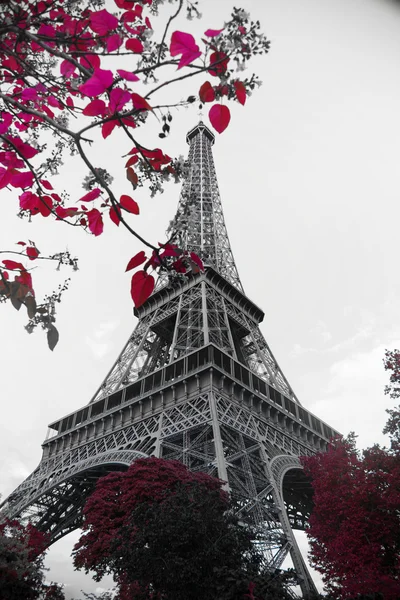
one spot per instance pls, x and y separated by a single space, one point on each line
196 382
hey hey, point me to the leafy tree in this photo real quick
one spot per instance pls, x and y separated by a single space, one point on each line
73 72
353 529
392 364
167 533
21 564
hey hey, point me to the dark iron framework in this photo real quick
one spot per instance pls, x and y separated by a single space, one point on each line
195 382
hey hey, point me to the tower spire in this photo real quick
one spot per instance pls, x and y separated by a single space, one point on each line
199 224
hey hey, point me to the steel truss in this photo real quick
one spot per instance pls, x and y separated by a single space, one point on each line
195 382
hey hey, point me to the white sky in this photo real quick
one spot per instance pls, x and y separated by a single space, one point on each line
308 174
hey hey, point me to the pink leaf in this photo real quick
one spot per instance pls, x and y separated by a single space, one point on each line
102 22
22 179
108 127
95 221
206 92
219 117
140 103
240 91
62 212
67 68
11 265
46 184
5 177
129 204
115 215
45 206
90 61
134 45
29 201
142 286
127 75
118 99
196 259
92 195
97 84
32 252
113 42
213 32
184 44
136 260
94 108
7 120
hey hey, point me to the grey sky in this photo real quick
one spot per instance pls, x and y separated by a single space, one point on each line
308 174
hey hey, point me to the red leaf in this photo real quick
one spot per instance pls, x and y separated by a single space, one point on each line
118 99
32 252
219 117
46 184
132 177
22 179
92 195
7 120
136 260
213 32
142 286
184 44
95 221
113 42
102 22
11 265
132 161
115 215
90 61
206 92
127 75
218 69
62 212
94 108
97 84
140 103
108 127
21 243
129 204
5 177
67 68
45 205
196 259
134 45
240 91
29 201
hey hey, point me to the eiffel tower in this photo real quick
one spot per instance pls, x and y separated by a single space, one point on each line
196 382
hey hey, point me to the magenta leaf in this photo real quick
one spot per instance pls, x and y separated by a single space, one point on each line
92 195
118 99
95 221
127 75
134 45
102 22
113 42
184 44
219 117
213 32
94 108
97 84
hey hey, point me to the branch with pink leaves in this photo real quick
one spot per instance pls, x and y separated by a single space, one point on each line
72 69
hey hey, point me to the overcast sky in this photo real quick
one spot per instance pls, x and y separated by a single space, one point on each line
308 175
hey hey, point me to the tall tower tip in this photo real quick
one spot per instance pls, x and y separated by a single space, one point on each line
200 128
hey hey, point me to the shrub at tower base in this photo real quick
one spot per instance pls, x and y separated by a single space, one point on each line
355 523
21 564
164 532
